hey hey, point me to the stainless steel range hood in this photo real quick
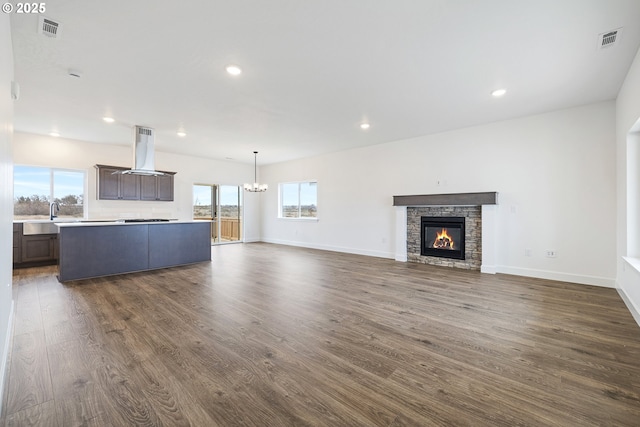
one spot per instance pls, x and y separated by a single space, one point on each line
143 152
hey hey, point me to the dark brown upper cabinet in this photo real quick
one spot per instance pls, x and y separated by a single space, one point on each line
113 185
158 188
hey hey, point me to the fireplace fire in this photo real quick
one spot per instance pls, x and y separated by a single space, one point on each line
442 237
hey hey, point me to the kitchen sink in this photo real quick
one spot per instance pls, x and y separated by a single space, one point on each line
40 227
29 228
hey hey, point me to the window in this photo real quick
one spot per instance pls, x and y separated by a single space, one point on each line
299 200
35 187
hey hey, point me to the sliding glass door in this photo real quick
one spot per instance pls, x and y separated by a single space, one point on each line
222 205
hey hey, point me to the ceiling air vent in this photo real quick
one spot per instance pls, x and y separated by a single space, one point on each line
609 38
49 28
144 131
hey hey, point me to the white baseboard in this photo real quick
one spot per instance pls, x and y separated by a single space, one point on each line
356 251
489 269
561 277
252 240
5 354
633 309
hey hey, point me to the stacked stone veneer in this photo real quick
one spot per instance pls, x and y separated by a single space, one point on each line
472 235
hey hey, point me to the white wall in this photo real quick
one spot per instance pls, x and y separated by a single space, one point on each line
627 115
38 150
555 174
6 194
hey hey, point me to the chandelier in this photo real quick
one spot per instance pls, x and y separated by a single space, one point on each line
255 187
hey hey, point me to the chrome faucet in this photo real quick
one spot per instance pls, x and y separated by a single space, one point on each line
54 208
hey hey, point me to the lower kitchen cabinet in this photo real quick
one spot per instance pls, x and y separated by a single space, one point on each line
39 247
17 243
33 249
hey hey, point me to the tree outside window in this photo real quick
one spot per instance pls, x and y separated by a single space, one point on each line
34 188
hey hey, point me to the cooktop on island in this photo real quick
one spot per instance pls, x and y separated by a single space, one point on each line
145 220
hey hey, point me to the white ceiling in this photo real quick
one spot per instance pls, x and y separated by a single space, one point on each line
313 70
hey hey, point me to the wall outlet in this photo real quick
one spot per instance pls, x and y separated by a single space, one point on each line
551 253
527 252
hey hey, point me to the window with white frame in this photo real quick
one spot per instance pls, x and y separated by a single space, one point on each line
34 188
298 199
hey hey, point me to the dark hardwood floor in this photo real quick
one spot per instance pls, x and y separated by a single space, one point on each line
269 335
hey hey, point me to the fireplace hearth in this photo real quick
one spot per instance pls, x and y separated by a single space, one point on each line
442 237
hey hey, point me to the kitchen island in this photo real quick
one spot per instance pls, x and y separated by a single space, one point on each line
94 249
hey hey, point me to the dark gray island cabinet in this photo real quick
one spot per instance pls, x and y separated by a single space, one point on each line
94 250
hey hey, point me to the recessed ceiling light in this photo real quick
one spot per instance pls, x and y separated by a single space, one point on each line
109 119
498 93
365 126
54 134
181 133
234 70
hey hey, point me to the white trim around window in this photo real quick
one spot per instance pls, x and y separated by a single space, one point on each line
298 200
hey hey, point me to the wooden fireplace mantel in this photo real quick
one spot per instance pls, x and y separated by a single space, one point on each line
455 199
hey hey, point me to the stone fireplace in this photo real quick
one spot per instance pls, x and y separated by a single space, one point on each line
452 230
466 245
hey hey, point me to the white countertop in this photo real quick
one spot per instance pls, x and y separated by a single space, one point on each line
99 223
